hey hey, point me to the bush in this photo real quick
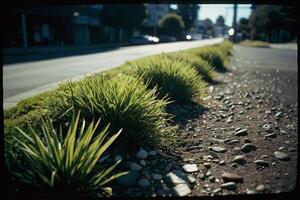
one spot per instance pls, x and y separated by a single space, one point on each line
171 24
225 48
204 69
175 79
255 43
67 165
122 101
213 55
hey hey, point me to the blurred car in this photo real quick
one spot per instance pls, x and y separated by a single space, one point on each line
144 39
167 38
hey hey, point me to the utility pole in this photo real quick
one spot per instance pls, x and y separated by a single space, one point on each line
24 30
234 20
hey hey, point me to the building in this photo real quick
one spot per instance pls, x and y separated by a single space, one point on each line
53 25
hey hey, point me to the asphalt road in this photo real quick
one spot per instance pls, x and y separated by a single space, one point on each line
23 80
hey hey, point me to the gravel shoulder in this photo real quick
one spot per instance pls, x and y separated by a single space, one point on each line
242 141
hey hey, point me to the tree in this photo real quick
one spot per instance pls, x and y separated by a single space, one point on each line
189 13
123 17
244 28
172 24
273 23
220 21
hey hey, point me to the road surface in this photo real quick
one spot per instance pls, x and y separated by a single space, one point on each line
23 80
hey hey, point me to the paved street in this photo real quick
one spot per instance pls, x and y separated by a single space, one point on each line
23 80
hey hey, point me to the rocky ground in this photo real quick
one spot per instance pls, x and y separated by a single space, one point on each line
243 140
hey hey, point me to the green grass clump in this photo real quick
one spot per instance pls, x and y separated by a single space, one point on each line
72 165
213 55
122 101
204 69
225 48
175 79
255 43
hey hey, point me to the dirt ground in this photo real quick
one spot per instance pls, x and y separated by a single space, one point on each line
259 93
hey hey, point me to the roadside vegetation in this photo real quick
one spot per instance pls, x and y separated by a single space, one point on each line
133 97
255 43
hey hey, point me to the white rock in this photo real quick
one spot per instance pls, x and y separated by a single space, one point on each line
190 168
182 190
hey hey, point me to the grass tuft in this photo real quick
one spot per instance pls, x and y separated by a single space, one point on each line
175 79
122 101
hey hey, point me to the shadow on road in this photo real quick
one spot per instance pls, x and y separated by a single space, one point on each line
15 58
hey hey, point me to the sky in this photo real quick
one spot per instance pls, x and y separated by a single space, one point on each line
212 11
226 10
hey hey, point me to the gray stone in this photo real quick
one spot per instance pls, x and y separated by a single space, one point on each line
292 149
234 165
215 140
248 147
233 142
207 165
222 162
262 163
229 186
230 177
240 159
152 153
281 148
157 176
282 156
267 127
142 154
271 135
135 166
181 190
211 178
118 158
242 132
278 114
251 192
260 188
144 182
208 173
229 120
190 168
264 156
217 190
218 149
129 179
143 162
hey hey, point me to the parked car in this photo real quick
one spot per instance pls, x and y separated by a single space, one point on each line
167 38
144 39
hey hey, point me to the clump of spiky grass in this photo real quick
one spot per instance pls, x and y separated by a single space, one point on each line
124 102
204 68
69 163
213 55
225 48
175 79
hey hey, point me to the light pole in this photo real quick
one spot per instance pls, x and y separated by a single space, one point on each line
234 20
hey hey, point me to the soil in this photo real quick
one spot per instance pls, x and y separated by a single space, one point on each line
260 84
